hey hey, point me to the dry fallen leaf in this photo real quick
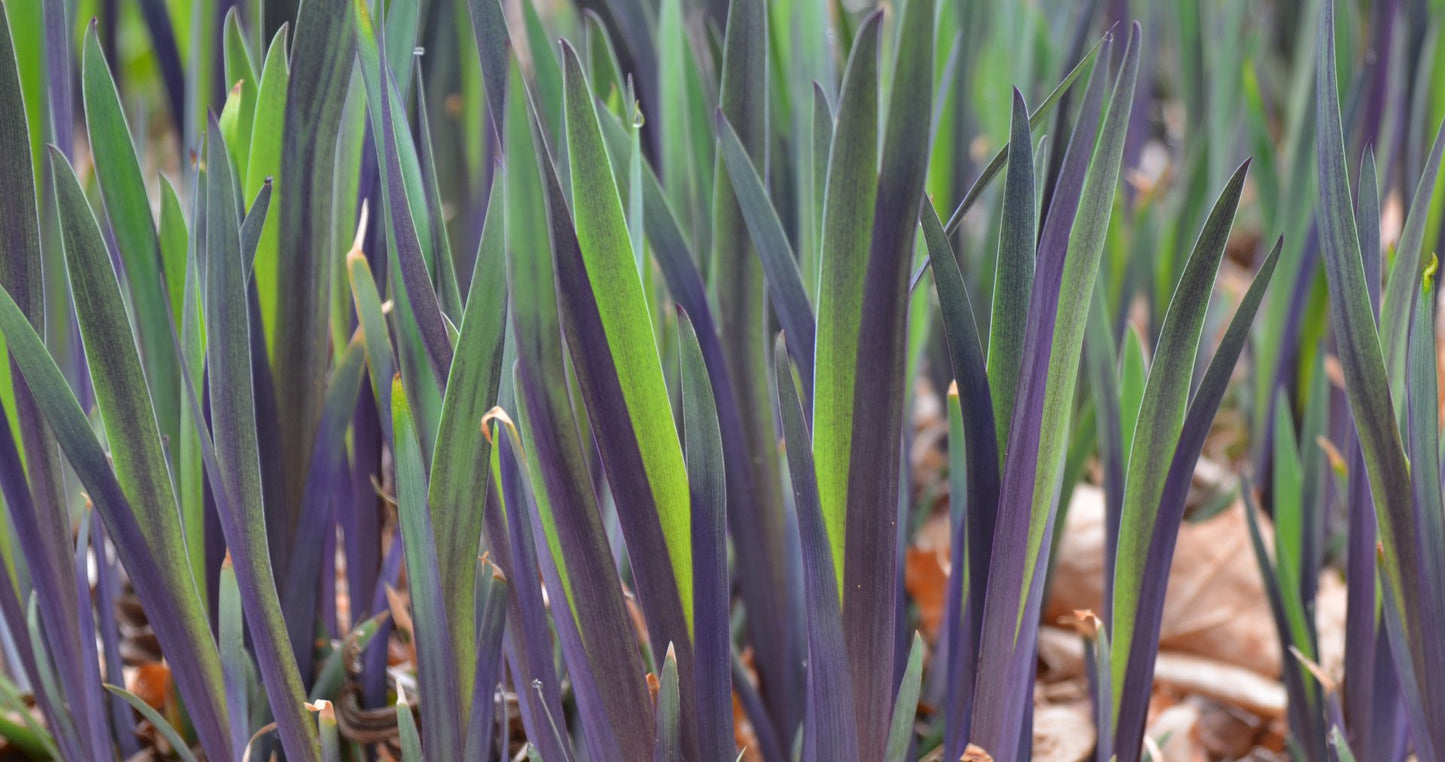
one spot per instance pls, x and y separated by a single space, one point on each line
1174 730
1063 732
1215 605
151 684
1062 654
926 579
975 754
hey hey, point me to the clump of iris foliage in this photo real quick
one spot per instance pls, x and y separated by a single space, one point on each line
419 367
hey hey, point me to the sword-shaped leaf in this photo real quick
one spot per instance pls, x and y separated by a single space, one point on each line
707 487
236 472
1014 270
322 57
461 459
564 494
489 25
1069 255
263 160
830 730
379 357
404 241
240 70
323 491
980 495
735 288
780 267
1133 706
1161 416
1035 119
610 337
76 716
157 720
669 731
129 210
1415 606
870 538
441 704
491 613
750 517
847 201
905 707
1404 276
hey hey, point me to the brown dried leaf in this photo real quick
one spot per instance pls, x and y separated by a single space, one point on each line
1215 605
1063 732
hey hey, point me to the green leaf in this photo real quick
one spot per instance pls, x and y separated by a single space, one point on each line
20 268
612 271
1403 550
167 589
707 485
780 266
263 160
330 733
406 728
1161 416
870 536
1409 262
847 201
379 356
322 58
235 662
461 460
678 169
669 736
436 654
115 365
128 208
1081 266
545 70
174 243
1035 119
489 25
156 720
240 70
905 706
238 455
1133 375
1013 273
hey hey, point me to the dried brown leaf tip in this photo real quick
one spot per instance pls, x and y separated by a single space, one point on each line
499 415
1085 622
975 754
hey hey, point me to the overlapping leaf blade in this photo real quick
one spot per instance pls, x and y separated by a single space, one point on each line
870 538
1131 713
321 63
707 488
1416 608
1161 416
1069 254
236 472
847 225
830 730
441 704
